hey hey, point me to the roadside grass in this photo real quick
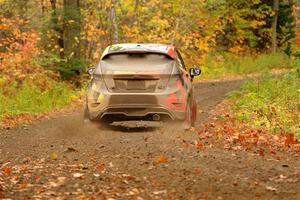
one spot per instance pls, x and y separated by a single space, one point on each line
271 103
230 65
30 99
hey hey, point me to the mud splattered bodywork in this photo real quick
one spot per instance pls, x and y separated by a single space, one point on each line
138 81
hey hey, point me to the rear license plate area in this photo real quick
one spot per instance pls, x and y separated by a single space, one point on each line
136 85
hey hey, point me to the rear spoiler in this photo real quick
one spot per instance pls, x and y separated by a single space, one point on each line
169 52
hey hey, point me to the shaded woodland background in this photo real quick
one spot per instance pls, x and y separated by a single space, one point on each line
70 34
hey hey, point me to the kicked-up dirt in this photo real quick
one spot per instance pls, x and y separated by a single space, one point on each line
63 158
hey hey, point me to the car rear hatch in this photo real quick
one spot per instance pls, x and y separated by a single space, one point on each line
136 72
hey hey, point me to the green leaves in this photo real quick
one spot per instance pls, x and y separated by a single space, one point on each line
29 99
271 103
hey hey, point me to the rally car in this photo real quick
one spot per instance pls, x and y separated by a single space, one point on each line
141 82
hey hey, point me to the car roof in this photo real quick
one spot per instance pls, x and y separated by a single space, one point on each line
168 50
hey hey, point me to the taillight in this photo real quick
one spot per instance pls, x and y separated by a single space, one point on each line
95 97
177 98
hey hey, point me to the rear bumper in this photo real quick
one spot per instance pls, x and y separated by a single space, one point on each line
142 112
135 105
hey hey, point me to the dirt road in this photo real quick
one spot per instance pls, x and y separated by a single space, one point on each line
62 159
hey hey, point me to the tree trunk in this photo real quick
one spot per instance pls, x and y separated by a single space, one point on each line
43 7
56 27
136 5
71 29
53 4
177 25
274 25
114 22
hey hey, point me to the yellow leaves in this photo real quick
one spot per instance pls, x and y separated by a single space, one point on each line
257 24
71 21
256 1
76 40
93 32
83 196
236 49
54 156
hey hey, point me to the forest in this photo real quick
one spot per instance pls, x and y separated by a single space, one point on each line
244 144
46 47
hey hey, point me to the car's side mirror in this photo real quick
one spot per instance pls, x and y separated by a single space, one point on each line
91 71
194 72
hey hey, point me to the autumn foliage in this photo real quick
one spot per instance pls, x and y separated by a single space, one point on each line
20 49
26 88
226 131
45 42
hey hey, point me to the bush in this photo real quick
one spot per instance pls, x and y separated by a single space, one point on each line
25 86
30 99
230 65
271 103
67 69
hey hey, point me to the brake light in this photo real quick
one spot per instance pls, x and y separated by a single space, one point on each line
177 99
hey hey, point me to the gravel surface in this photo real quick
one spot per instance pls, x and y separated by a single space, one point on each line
62 158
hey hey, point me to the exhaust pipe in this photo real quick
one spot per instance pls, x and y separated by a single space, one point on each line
156 117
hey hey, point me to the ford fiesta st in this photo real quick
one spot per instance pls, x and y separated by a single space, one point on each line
141 82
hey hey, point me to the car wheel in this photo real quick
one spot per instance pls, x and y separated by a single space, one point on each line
86 115
97 123
187 124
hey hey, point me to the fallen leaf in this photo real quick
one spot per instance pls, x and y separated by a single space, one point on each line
261 152
192 129
2 195
54 156
52 184
100 168
198 171
199 146
160 192
130 178
146 139
272 152
162 159
62 180
23 185
7 171
241 137
134 191
290 139
270 188
77 175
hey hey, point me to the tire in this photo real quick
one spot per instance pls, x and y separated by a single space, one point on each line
86 115
97 123
187 124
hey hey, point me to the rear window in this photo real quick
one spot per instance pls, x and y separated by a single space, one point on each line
137 62
136 56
